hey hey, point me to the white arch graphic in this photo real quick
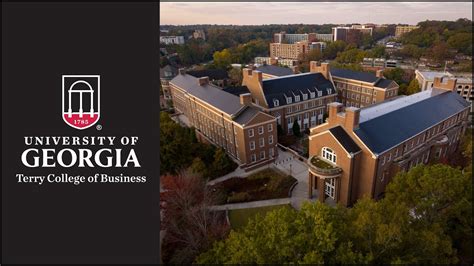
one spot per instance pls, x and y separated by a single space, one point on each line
90 91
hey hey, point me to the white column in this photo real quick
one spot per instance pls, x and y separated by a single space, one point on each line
92 103
69 106
80 104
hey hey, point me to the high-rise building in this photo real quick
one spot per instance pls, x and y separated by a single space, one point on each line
357 152
342 33
288 51
400 30
290 38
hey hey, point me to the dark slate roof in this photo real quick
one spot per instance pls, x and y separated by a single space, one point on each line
275 70
213 74
388 130
209 93
237 90
226 102
383 83
362 76
277 88
245 116
346 141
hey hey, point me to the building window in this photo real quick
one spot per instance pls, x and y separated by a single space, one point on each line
289 110
320 93
276 102
262 155
328 154
253 158
252 145
270 139
313 95
330 187
289 100
297 98
270 127
260 130
262 142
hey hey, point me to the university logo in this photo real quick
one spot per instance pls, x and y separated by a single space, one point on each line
81 100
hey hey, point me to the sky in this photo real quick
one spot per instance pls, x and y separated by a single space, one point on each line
257 13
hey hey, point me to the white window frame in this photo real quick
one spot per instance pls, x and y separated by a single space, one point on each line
330 187
261 142
251 133
328 154
252 145
270 139
261 130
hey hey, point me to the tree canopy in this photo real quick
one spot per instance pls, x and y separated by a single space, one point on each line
425 217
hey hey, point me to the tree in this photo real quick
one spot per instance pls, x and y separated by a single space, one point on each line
424 217
351 56
440 51
305 58
333 48
296 129
413 87
222 164
198 167
222 59
395 74
190 226
235 74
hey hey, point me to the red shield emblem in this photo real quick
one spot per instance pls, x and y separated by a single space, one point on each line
81 100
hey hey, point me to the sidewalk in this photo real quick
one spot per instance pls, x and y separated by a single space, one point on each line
252 204
239 172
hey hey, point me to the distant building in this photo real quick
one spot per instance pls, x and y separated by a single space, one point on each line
167 73
324 37
357 152
316 46
300 97
275 61
464 86
342 33
284 37
379 63
225 120
172 39
199 34
400 30
288 51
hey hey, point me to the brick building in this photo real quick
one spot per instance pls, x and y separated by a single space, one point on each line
225 120
288 50
299 97
342 33
357 152
167 73
400 30
360 89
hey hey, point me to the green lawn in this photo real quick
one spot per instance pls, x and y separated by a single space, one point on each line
239 218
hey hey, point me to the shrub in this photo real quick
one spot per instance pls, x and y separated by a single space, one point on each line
239 197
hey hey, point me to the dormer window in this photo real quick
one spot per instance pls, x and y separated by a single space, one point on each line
329 90
313 94
305 97
297 98
289 100
320 93
276 102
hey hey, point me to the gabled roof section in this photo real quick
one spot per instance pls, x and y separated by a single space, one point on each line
213 95
344 139
294 85
277 71
213 74
237 90
417 113
361 76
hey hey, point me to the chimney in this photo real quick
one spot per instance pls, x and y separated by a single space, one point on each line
352 118
317 67
245 98
258 75
182 71
444 83
203 81
295 69
334 108
379 73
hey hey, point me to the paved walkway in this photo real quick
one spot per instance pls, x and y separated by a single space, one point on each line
252 204
291 165
239 172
